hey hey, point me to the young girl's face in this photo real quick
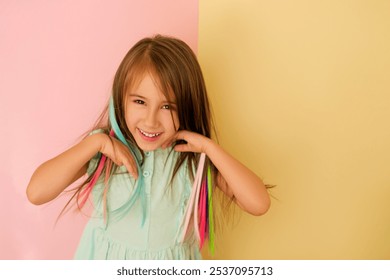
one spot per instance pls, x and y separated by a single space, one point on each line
150 117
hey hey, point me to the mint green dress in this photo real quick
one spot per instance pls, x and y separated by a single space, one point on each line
126 238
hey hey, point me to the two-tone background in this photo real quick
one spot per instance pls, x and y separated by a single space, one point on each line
300 91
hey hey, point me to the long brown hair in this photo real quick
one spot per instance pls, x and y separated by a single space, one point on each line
175 68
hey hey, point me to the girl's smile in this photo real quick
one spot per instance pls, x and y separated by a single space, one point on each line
151 118
149 136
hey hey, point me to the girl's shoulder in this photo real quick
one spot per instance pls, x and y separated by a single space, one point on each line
98 130
95 160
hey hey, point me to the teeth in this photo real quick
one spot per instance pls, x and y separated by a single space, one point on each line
149 134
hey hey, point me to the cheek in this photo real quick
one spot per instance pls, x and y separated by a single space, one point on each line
130 120
132 116
171 121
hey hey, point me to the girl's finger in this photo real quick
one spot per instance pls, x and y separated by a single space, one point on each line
130 168
165 144
134 169
169 142
180 135
182 148
132 164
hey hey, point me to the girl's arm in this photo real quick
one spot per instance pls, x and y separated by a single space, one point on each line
234 177
54 175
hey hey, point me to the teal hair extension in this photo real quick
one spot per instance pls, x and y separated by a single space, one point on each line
139 191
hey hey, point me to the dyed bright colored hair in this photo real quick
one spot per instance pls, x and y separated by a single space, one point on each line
176 70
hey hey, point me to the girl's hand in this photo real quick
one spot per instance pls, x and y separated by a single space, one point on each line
195 142
118 153
234 178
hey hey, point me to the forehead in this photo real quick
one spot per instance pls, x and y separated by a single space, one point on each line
148 84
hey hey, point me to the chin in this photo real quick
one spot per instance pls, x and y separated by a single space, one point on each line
149 148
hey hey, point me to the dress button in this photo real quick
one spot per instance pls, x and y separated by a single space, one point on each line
146 173
147 154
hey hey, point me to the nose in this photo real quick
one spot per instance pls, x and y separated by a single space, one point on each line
151 118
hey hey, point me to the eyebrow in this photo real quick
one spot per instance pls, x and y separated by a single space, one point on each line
137 95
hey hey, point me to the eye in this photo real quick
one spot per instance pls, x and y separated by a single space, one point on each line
166 107
140 102
169 106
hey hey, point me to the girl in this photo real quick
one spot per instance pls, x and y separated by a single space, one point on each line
141 159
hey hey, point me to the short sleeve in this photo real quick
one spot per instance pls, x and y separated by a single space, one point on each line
92 164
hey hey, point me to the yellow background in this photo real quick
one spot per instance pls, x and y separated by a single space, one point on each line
301 94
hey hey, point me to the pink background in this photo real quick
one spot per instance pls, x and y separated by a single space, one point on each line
57 61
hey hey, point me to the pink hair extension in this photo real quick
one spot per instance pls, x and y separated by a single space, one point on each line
87 190
191 203
210 219
203 212
199 208
106 179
